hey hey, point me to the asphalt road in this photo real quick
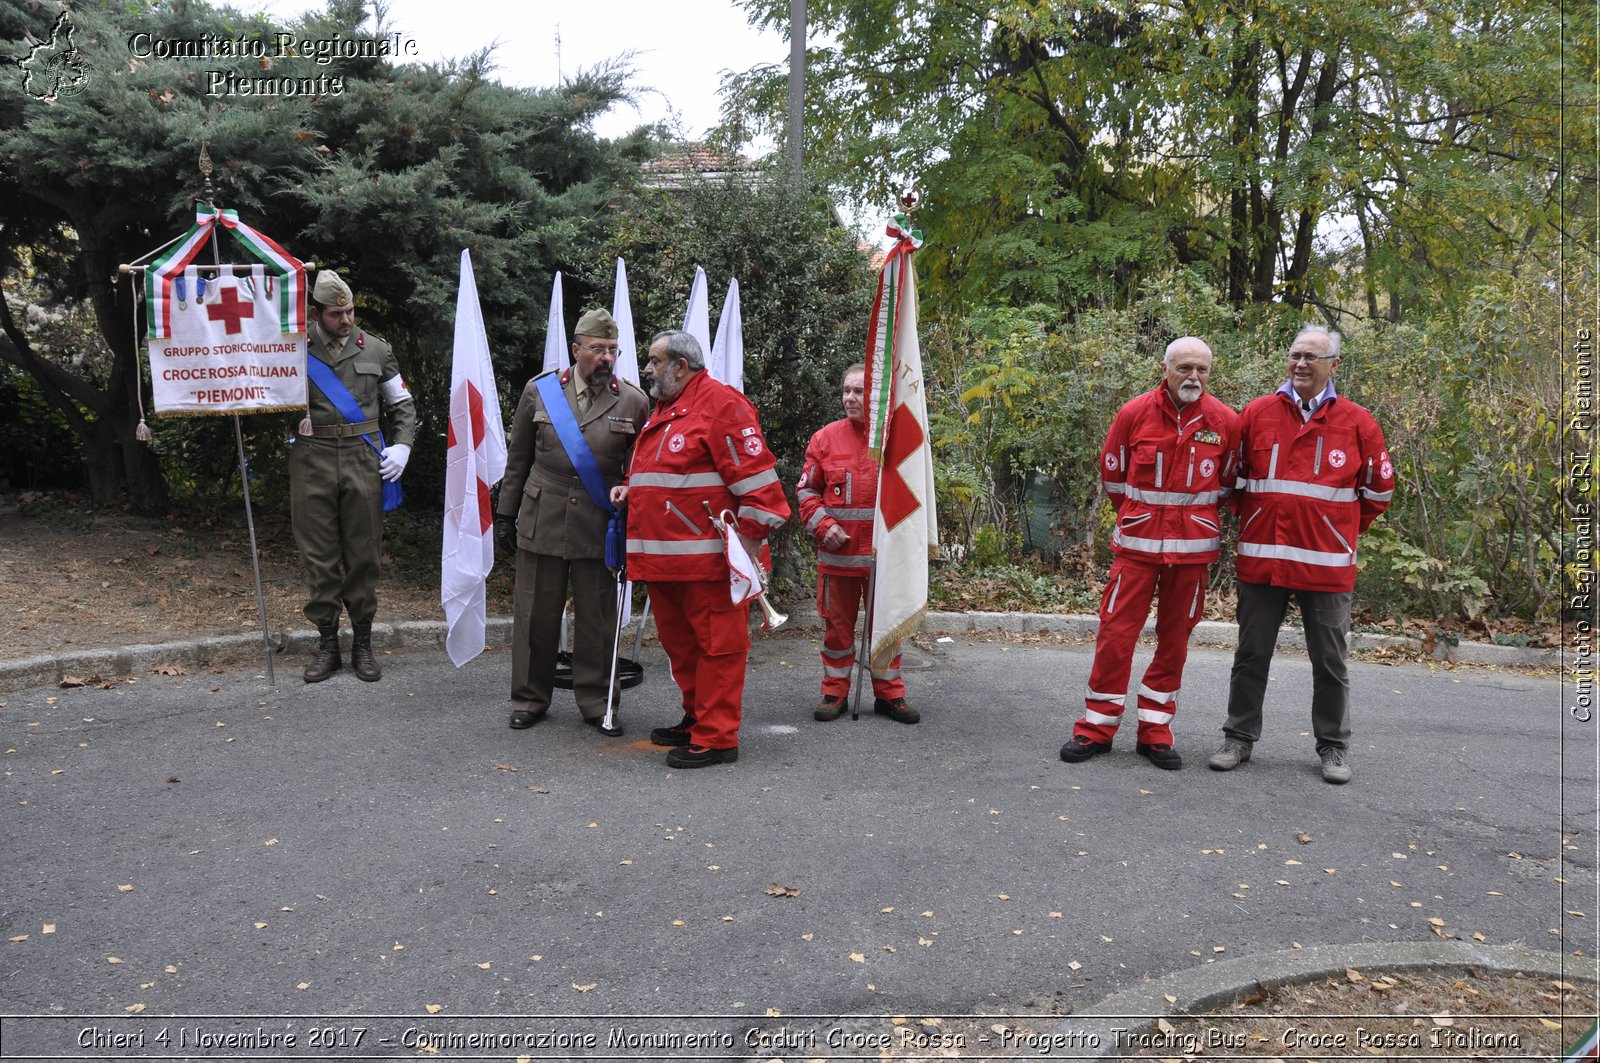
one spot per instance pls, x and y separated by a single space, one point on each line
393 850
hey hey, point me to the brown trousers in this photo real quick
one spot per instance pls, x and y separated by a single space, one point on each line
541 597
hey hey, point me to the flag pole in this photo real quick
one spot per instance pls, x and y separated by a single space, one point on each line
862 662
244 467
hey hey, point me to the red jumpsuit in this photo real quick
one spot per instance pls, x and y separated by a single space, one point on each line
838 488
704 446
1165 473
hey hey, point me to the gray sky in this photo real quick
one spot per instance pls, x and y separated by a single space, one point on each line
682 47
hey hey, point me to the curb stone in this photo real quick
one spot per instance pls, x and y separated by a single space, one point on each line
1124 1018
244 649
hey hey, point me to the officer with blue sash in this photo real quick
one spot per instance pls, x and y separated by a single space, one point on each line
341 468
570 441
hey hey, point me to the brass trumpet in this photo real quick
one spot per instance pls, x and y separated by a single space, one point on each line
771 618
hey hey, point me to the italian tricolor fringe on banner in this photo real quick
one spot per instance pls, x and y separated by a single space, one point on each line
160 275
1586 1049
905 528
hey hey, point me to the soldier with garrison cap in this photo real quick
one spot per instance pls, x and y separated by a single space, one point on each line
337 470
556 527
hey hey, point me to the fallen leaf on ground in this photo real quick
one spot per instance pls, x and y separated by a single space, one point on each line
505 767
777 889
1303 838
73 681
433 1009
134 1009
584 988
165 668
857 957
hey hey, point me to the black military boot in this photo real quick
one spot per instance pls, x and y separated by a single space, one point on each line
361 656
327 661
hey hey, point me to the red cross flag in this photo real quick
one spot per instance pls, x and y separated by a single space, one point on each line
905 531
476 460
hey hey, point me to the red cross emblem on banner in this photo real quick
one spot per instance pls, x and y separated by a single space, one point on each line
229 310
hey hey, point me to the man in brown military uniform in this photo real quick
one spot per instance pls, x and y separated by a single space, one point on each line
336 477
558 530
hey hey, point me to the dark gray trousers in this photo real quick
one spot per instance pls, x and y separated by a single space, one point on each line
1326 615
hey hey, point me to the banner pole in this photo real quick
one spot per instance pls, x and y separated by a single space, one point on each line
862 661
249 513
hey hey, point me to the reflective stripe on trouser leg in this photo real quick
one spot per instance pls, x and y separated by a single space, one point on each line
838 598
707 638
1180 602
1123 607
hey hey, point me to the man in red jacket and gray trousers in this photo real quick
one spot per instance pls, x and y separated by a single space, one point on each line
1314 472
838 493
701 447
1167 461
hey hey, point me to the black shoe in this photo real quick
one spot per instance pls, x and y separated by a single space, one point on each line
361 654
701 757
522 719
831 708
676 735
1162 756
326 662
1081 748
896 710
599 724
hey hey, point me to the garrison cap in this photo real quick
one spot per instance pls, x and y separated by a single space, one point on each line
596 323
330 290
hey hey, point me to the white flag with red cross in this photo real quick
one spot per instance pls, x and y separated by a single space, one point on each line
905 529
475 461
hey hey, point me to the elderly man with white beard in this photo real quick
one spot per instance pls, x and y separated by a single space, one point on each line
1167 461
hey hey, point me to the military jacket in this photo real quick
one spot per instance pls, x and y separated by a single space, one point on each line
554 512
366 366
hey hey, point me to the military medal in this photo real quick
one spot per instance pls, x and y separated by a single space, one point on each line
183 293
199 289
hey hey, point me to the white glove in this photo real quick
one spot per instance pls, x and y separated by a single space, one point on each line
393 461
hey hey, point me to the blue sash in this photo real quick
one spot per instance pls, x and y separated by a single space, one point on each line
328 382
571 436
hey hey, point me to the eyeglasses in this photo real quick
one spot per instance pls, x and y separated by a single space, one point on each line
1299 356
592 349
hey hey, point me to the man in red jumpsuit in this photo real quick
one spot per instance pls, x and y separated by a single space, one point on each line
702 446
1314 473
838 492
1167 461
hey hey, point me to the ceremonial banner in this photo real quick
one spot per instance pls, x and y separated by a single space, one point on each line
905 531
555 331
727 349
475 461
696 316
226 339
627 344
628 369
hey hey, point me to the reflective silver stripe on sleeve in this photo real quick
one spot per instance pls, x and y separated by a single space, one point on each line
1172 498
1376 496
1167 546
672 479
816 519
761 516
805 492
1303 490
751 483
1112 487
672 546
733 451
838 513
844 560
1272 551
